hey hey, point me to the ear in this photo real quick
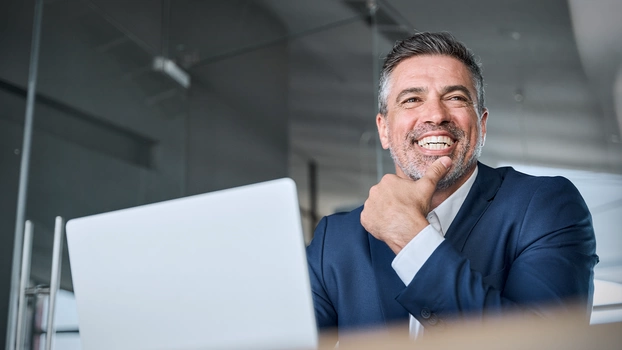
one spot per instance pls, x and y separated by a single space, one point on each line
383 130
483 121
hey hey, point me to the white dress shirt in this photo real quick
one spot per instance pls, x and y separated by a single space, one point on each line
412 257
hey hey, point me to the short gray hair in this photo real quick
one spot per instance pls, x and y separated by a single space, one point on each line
426 43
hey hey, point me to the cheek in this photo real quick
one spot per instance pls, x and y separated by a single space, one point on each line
472 125
474 137
398 136
401 127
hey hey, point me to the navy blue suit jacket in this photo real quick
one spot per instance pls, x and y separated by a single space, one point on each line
518 242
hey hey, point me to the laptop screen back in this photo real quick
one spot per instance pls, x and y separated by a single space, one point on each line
222 270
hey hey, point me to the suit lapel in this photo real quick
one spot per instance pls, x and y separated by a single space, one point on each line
389 284
479 198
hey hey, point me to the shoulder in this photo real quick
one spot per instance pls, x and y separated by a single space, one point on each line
529 185
543 205
340 232
344 220
542 201
339 225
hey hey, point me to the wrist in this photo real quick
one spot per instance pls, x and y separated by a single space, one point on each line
399 242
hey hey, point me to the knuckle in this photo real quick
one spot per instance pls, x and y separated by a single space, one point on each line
372 190
437 172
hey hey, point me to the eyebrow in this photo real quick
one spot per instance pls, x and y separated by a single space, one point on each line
446 90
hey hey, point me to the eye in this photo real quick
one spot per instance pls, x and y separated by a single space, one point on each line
412 100
458 98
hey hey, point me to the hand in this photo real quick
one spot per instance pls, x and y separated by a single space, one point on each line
396 209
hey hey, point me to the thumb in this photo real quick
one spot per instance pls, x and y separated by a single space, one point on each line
438 169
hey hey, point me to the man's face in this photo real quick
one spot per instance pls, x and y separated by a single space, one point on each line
432 113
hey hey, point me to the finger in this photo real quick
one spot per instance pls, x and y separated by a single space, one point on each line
437 170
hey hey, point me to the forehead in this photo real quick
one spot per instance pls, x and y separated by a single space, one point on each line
430 71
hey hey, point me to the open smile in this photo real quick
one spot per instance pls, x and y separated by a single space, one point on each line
435 142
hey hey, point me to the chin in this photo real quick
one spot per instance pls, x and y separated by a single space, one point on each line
446 183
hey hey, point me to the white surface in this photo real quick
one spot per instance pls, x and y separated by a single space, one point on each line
607 293
66 315
607 302
220 270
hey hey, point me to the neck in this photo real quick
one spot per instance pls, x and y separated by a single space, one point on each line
440 196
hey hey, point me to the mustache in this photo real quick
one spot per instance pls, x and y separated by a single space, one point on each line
451 128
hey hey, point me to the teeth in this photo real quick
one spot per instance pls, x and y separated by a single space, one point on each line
435 142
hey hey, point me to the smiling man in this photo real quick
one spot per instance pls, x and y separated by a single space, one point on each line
447 237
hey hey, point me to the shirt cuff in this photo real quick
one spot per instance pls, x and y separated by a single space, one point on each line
412 257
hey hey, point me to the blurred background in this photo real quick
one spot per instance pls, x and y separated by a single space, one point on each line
140 101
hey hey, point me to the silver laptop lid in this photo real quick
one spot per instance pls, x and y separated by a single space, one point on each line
222 270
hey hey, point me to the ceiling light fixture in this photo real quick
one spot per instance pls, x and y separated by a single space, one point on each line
172 70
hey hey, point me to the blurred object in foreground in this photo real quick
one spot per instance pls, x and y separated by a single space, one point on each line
567 331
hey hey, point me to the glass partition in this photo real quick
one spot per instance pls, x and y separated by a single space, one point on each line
144 101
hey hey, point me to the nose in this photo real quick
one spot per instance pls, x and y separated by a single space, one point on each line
436 112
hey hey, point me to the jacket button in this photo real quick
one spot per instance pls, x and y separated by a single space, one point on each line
425 313
433 320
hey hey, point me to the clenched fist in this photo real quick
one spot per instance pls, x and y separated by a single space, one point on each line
396 208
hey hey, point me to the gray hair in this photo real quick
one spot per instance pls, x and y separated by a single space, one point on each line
426 43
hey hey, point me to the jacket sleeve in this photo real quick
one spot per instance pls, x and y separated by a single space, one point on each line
552 266
325 313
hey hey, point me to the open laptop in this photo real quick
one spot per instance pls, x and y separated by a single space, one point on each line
222 270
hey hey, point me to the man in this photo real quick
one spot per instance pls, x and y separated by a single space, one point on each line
448 237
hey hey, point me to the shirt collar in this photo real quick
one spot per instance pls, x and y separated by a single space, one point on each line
448 209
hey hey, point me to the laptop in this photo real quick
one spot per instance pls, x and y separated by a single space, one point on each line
221 270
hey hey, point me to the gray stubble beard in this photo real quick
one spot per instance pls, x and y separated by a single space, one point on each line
415 170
